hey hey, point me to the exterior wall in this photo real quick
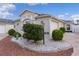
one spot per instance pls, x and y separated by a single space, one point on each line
18 26
28 15
9 26
53 25
61 24
46 27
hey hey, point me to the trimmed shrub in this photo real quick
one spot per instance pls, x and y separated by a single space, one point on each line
62 29
57 35
33 32
11 32
17 35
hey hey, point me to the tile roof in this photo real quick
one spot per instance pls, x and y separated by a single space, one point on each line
6 20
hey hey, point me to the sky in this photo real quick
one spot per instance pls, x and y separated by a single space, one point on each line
65 11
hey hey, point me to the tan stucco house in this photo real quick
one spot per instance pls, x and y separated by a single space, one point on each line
49 22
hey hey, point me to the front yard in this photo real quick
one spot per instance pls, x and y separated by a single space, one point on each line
9 48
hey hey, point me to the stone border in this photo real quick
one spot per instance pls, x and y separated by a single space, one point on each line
67 52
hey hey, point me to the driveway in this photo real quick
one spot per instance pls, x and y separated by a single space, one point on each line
73 38
2 36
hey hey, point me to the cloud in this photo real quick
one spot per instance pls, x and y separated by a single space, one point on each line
64 16
75 16
67 16
61 16
34 4
5 10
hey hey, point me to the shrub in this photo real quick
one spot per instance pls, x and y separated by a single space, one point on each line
57 35
11 32
17 35
62 29
33 32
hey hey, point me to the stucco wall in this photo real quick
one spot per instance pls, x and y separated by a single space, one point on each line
19 26
54 24
46 27
61 24
9 26
28 15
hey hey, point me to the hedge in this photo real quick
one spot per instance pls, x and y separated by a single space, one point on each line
33 32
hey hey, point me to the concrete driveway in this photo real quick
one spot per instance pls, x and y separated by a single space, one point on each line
3 36
73 39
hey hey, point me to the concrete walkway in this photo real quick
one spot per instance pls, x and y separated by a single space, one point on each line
73 38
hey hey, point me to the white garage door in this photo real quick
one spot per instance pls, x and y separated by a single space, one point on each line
76 28
2 28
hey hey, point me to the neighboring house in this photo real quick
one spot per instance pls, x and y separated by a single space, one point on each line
5 25
72 26
49 22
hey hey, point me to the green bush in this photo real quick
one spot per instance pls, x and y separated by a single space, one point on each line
11 32
57 35
62 29
28 36
17 35
33 32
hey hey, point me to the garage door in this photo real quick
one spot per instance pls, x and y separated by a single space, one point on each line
2 28
76 28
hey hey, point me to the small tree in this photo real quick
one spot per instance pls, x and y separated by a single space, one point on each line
62 29
11 32
33 32
57 35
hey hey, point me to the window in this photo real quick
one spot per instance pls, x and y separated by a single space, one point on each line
68 27
30 16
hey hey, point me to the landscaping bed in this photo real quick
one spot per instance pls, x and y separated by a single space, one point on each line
49 46
34 39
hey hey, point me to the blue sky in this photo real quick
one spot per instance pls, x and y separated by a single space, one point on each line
65 11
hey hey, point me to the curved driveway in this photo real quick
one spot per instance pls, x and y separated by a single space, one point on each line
73 38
